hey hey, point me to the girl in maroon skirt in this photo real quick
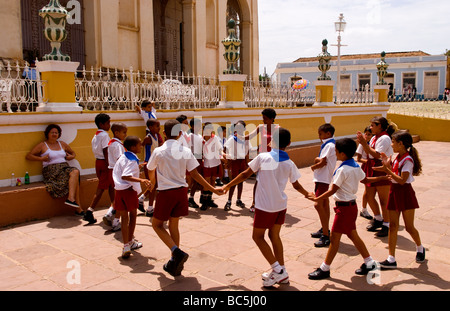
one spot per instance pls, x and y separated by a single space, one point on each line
380 143
402 198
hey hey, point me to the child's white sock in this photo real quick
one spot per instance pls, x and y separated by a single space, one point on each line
391 259
378 217
369 261
110 211
141 198
420 249
115 222
324 267
276 267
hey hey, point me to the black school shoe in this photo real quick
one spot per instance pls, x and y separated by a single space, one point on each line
319 274
420 257
383 232
374 225
323 241
89 217
385 265
179 258
364 270
192 203
317 234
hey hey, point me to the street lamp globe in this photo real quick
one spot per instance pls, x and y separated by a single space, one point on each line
340 24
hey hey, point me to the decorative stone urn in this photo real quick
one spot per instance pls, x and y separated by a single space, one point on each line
324 62
382 67
55 19
232 49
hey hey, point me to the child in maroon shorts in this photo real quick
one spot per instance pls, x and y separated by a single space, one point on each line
171 161
274 170
402 198
128 186
344 187
100 144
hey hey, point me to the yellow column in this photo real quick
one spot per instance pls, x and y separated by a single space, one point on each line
383 94
324 93
234 89
59 86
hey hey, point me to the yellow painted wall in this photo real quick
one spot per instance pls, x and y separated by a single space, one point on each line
428 128
62 88
19 133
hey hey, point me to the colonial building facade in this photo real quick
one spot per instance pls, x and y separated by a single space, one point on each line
178 36
414 72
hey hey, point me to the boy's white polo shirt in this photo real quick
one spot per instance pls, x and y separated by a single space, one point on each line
171 162
100 142
237 149
347 178
212 151
126 167
325 174
272 177
115 151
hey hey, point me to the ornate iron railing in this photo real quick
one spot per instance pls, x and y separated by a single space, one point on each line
21 90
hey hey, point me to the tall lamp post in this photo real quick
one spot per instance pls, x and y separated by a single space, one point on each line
340 27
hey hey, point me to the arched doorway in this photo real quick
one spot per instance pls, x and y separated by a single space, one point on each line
168 27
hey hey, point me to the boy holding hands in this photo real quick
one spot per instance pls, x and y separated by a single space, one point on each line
128 186
344 188
274 170
170 162
323 171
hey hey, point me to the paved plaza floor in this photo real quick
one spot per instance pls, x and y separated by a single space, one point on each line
64 254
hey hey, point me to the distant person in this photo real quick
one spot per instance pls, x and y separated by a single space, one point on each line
59 177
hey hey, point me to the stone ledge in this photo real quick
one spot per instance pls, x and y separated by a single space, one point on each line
32 202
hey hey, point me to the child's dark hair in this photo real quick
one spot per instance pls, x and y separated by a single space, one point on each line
51 127
347 146
407 141
181 118
101 118
151 122
368 129
131 141
385 125
115 127
281 138
195 122
327 128
145 103
270 113
171 126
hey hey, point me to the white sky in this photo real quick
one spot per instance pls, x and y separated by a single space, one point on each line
290 29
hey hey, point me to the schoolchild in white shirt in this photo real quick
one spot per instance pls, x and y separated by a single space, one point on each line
127 181
361 157
275 170
402 198
196 146
100 149
323 168
343 189
212 154
147 111
115 151
237 156
380 143
170 162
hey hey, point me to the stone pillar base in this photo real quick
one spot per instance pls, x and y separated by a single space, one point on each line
234 85
383 94
324 93
59 89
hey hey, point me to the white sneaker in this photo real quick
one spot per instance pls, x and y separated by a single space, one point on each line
116 227
266 275
275 278
126 252
107 220
136 244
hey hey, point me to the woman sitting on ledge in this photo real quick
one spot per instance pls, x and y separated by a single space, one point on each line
60 179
